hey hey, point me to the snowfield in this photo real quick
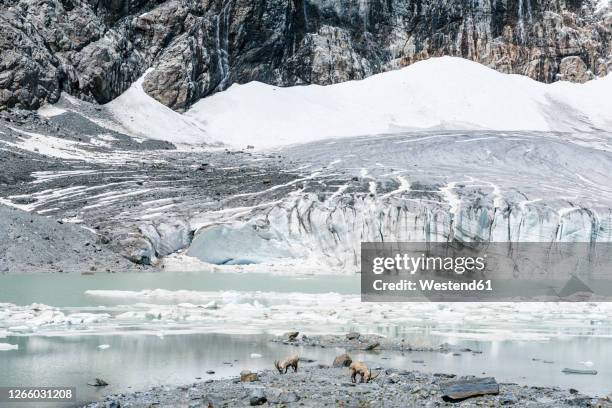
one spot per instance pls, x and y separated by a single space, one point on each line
141 115
437 94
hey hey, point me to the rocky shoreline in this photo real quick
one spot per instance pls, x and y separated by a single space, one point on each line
355 341
324 386
327 383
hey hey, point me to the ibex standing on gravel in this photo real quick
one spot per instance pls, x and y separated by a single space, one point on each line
283 366
360 368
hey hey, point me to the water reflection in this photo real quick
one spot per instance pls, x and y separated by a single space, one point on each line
136 362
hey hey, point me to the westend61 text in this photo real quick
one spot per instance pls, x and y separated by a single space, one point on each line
432 285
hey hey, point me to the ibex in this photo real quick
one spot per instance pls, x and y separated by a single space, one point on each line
360 368
283 366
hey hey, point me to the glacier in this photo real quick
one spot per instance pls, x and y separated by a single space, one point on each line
445 149
481 186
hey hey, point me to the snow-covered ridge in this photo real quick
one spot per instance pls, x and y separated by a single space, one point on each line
439 93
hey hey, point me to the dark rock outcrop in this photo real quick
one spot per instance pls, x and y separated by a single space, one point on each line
94 49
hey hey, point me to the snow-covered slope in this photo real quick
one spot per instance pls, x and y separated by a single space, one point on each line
141 115
447 93
439 93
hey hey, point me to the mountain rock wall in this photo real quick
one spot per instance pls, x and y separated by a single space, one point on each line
94 49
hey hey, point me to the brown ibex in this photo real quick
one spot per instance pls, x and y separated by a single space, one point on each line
364 372
283 366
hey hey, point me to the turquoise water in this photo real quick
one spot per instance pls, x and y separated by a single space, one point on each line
69 289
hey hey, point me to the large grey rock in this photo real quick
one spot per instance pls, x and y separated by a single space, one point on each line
137 249
574 69
257 397
459 390
281 396
343 360
248 376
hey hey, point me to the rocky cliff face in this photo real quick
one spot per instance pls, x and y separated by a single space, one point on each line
95 49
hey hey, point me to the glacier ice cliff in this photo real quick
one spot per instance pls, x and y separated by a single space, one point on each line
472 186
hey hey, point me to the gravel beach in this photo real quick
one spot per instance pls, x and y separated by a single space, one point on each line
328 383
322 386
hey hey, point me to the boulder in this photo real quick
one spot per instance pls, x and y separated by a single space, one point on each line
281 396
257 397
248 376
352 336
98 382
574 69
138 250
459 390
343 360
292 335
578 371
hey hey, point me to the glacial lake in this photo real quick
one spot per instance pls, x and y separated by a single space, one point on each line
162 328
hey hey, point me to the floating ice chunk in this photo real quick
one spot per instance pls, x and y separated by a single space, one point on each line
129 315
255 355
211 305
187 305
156 314
47 317
87 318
7 347
20 329
104 346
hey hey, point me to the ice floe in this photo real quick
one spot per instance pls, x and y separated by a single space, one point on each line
7 347
161 312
